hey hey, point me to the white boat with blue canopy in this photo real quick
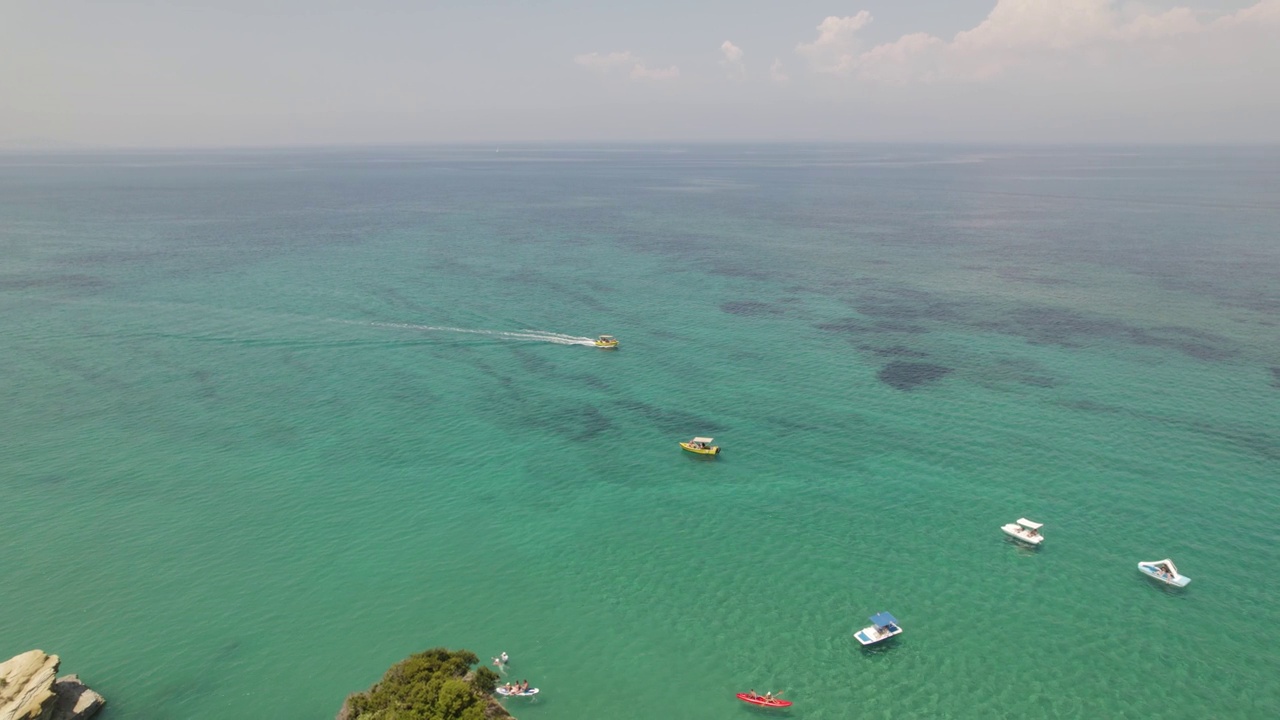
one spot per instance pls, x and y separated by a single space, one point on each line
883 626
1025 531
1164 571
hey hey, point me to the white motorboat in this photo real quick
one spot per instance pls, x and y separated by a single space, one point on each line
1164 571
504 692
883 626
1025 531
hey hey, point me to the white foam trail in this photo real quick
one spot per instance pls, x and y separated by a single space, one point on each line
529 335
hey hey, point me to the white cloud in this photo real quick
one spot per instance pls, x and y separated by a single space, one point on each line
1268 11
732 53
606 64
1040 24
834 49
776 74
641 72
731 60
1175 22
911 57
1025 34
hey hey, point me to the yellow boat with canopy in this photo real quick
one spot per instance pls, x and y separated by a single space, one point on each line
608 342
701 446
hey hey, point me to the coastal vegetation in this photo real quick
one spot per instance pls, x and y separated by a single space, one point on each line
438 684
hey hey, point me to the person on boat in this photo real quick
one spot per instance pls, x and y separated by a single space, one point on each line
752 694
768 695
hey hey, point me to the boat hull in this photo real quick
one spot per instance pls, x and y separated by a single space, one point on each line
607 346
527 693
1017 532
757 700
872 635
713 450
1153 572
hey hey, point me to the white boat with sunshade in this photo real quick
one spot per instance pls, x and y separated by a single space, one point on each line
1164 571
1025 531
883 626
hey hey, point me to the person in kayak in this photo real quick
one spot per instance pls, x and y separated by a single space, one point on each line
524 686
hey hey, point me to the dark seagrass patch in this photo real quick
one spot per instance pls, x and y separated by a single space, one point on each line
905 375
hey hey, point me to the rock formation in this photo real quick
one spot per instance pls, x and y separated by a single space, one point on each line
30 689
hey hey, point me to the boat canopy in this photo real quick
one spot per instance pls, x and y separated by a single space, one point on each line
1030 525
704 441
606 338
1169 563
883 619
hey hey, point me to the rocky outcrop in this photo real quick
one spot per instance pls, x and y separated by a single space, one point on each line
435 684
75 700
30 689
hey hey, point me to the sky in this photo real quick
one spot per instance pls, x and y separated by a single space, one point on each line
179 73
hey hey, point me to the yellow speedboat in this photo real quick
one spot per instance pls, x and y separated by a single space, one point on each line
702 446
608 342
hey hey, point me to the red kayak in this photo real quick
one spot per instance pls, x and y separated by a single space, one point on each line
760 700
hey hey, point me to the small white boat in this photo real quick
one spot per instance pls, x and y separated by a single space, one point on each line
1025 531
524 693
1164 571
883 626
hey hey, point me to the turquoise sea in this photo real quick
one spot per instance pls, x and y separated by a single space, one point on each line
273 420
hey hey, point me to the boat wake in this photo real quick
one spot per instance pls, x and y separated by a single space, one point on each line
522 335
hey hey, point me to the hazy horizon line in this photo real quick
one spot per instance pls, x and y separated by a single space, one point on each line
16 149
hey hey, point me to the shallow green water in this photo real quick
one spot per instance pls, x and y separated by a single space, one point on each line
264 435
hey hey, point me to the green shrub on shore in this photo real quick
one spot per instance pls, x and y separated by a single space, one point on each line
434 685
